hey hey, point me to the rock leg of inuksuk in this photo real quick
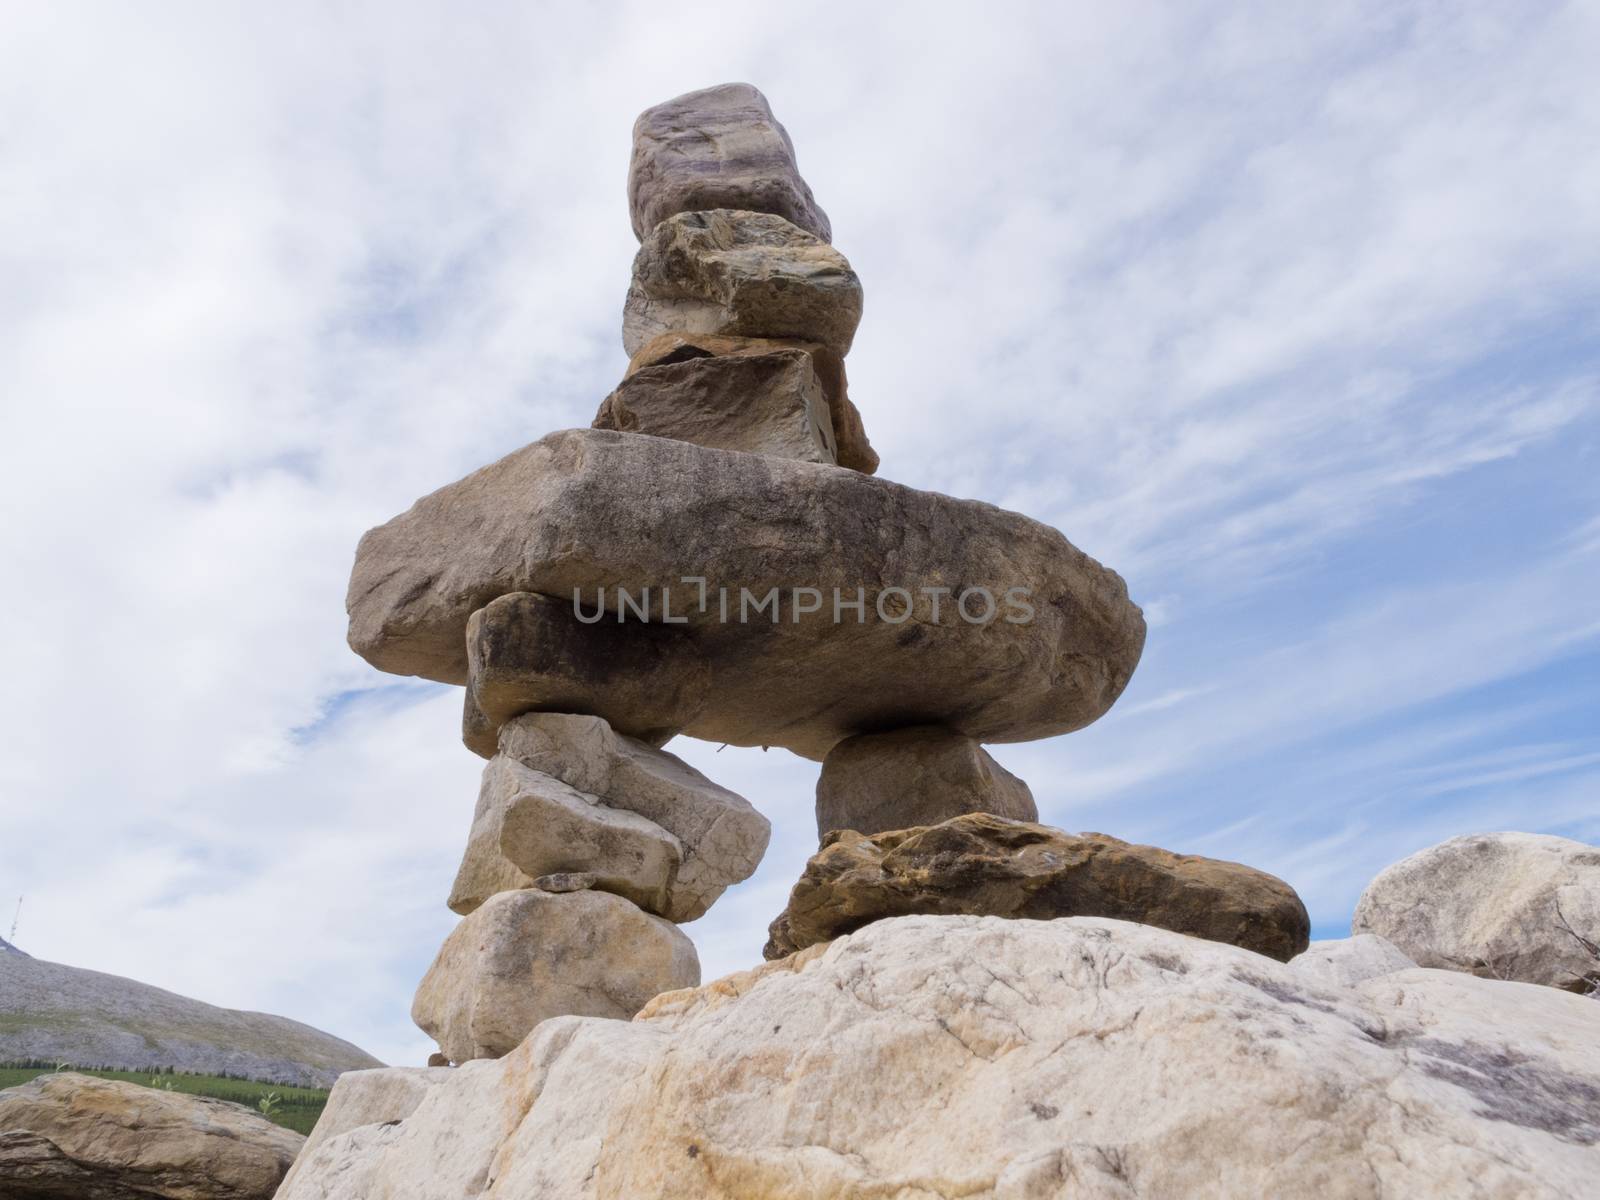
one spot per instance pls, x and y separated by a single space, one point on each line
715 557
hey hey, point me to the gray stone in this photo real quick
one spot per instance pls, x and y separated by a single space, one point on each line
850 436
525 956
381 1096
754 403
721 835
720 147
528 653
1521 906
66 1136
529 825
592 510
919 776
745 273
565 881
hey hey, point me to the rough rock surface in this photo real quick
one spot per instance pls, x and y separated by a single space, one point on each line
381 1097
745 273
527 652
73 1137
51 1012
985 865
1345 962
919 776
755 403
528 955
944 1057
1494 904
722 836
720 147
529 825
851 445
592 509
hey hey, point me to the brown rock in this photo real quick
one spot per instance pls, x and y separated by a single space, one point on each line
529 955
75 1137
754 403
717 148
592 509
746 273
437 1060
910 777
850 437
985 865
531 653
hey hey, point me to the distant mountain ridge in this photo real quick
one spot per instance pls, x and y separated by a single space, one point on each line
57 1013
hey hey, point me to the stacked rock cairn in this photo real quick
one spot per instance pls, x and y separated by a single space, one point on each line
716 557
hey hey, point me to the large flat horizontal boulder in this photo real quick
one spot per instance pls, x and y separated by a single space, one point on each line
851 445
525 956
971 617
935 1057
75 1137
755 403
721 835
720 147
745 273
921 776
983 865
1522 906
529 825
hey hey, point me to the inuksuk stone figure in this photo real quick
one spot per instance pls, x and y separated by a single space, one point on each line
714 557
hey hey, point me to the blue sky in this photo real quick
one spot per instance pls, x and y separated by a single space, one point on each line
1288 313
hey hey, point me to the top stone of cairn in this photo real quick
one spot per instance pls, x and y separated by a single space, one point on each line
717 148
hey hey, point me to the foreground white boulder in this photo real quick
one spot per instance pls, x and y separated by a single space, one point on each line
1522 906
937 1057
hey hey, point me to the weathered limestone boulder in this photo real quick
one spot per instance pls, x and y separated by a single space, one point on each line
720 147
850 436
1521 906
527 652
385 1096
754 403
721 836
528 955
976 1057
920 776
529 825
1043 649
747 273
985 865
1345 962
74 1137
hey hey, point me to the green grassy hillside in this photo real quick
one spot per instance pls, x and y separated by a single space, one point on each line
294 1108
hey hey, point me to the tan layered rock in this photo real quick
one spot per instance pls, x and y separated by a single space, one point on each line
719 147
988 866
525 956
851 445
747 273
593 510
527 652
384 1096
80 1138
909 777
1521 906
529 825
754 403
945 1057
721 835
